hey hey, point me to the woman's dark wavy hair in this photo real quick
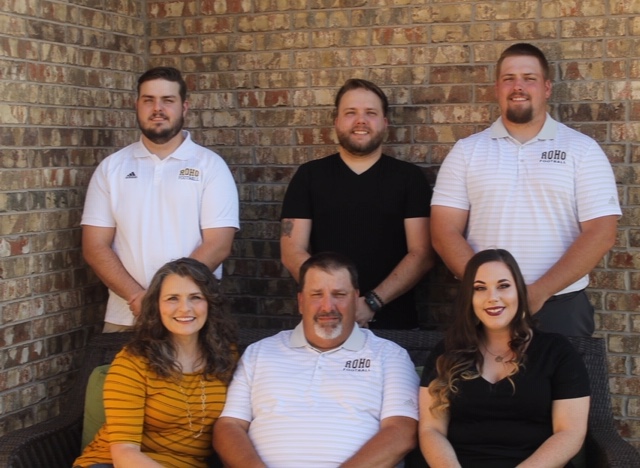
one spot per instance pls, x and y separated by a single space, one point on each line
217 338
462 356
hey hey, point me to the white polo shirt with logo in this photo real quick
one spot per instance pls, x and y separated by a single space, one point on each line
313 408
528 198
158 207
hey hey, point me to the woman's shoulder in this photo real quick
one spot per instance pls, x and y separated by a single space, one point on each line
550 344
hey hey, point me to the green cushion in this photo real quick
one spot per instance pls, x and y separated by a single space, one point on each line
94 405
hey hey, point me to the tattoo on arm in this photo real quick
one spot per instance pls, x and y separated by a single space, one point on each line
286 227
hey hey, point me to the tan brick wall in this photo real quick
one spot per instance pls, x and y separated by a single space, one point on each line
263 75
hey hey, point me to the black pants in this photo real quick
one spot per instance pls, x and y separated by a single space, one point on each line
569 314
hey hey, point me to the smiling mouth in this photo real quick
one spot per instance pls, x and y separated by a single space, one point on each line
494 311
184 319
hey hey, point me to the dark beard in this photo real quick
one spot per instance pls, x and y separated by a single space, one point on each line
522 116
360 150
160 137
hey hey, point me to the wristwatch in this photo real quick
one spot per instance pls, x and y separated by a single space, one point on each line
373 301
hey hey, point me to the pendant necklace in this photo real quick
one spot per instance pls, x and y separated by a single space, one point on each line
203 399
497 357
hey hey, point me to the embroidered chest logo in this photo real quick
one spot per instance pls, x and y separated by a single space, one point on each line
357 365
189 174
553 157
131 175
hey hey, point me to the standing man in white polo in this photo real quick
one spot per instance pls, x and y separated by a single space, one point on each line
325 394
161 198
535 187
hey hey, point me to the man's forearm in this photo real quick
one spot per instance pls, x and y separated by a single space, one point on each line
405 275
215 247
595 240
234 447
106 264
294 244
388 447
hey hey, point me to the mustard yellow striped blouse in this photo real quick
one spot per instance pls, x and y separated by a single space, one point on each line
151 412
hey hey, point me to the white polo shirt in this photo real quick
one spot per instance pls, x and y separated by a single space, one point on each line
158 207
528 198
313 408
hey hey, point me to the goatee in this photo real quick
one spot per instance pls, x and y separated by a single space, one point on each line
162 135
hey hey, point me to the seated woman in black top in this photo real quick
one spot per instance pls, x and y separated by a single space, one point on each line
496 392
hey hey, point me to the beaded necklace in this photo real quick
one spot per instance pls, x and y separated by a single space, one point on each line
203 399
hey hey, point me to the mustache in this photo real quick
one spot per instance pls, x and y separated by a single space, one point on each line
332 314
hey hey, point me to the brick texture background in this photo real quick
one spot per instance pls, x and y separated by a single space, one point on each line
262 76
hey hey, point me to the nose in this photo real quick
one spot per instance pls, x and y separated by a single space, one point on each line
493 294
184 305
157 105
326 304
518 83
360 117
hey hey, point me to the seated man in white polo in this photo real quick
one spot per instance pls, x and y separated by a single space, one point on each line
325 394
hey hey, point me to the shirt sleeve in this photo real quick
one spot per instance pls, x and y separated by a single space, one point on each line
97 206
418 195
400 394
570 378
124 399
219 197
451 184
238 403
596 192
429 371
297 199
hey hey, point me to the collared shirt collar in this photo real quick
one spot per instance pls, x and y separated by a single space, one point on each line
547 132
181 151
355 342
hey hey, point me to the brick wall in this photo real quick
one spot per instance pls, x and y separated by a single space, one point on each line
263 75
66 74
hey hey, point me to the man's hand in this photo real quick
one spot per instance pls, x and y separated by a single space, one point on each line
363 313
135 302
537 298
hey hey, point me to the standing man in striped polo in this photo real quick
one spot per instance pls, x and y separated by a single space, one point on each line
532 186
325 394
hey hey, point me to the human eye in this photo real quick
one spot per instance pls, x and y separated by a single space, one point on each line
504 286
479 287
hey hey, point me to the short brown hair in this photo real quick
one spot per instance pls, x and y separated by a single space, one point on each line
525 49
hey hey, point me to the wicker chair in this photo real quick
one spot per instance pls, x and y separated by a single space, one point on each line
56 443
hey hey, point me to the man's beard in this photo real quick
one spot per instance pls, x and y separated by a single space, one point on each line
329 332
521 115
364 149
160 136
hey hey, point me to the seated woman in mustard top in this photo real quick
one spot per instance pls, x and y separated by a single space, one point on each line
167 387
501 393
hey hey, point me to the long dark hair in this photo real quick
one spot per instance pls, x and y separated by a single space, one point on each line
217 338
462 356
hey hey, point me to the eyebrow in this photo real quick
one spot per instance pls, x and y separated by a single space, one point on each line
161 97
505 280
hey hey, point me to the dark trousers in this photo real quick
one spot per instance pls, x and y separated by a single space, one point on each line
569 314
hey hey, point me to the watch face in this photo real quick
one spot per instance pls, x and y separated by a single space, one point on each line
371 302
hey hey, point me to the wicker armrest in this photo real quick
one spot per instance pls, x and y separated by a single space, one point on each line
604 446
56 443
